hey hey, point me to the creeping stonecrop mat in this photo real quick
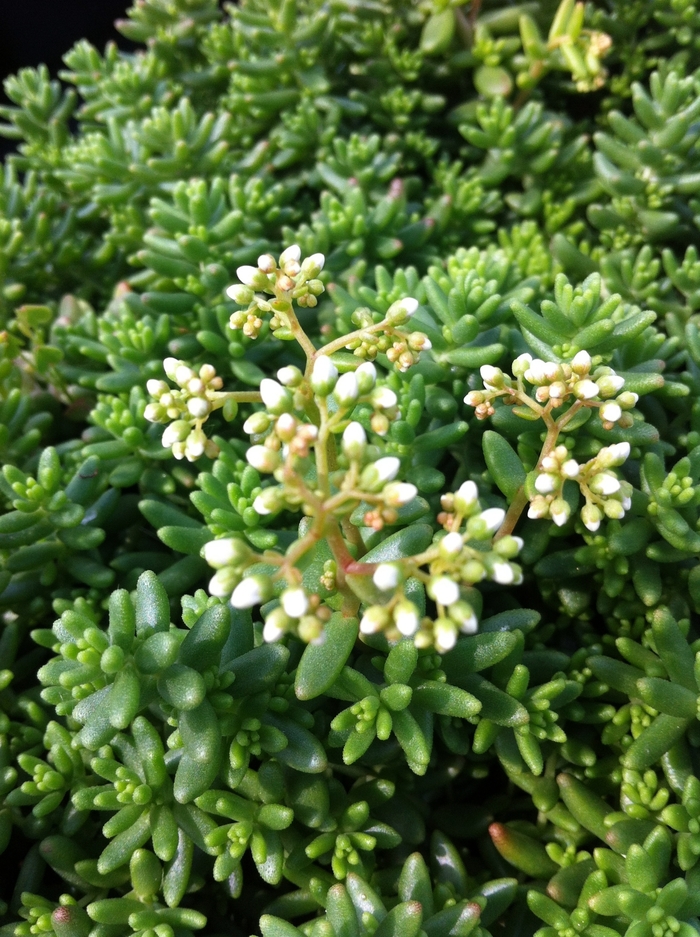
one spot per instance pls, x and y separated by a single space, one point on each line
350 485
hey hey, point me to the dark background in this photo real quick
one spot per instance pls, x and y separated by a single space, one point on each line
33 32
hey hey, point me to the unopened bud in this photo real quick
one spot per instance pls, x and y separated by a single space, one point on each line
253 590
323 376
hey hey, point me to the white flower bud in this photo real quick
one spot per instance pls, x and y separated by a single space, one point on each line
251 277
312 266
406 618
502 573
183 375
268 501
536 373
591 516
272 630
291 254
153 413
156 388
198 407
266 263
386 576
401 310
617 453
560 511
451 545
366 376
398 493
492 377
492 518
466 497
546 484
240 293
170 365
610 412
610 384
570 468
323 376
195 444
378 473
383 398
290 376
581 363
256 423
627 399
347 389
538 509
276 398
585 390
614 509
253 590
374 619
445 635
225 552
354 440
175 432
604 484
295 602
223 582
521 364
262 458
443 590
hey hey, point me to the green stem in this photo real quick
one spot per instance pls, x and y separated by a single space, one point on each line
338 344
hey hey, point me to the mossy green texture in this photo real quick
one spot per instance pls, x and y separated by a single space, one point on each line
444 678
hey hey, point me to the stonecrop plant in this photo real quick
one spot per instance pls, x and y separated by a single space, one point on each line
350 482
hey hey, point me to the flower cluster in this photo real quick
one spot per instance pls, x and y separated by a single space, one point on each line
605 494
288 280
188 407
401 347
555 383
457 560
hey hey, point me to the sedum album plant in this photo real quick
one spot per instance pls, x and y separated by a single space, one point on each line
350 486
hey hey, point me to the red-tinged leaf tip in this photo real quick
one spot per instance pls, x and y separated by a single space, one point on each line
498 833
61 915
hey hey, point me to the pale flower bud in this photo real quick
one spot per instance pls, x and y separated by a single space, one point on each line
492 518
443 590
451 545
538 509
276 398
256 423
198 407
398 493
401 310
170 365
312 266
377 474
266 263
445 635
251 277
225 552
610 384
546 484
386 576
383 398
560 511
591 516
253 590
290 376
604 484
323 376
366 376
581 363
291 254
570 468
502 573
406 618
466 497
614 509
610 412
492 377
223 582
627 399
347 389
241 294
375 619
521 364
156 388
262 458
154 413
268 501
295 602
585 390
175 432
354 440
613 455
